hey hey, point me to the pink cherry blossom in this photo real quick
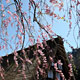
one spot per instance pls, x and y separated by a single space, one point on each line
9 12
3 15
39 62
38 40
29 61
7 1
51 59
41 53
0 47
47 11
1 74
2 7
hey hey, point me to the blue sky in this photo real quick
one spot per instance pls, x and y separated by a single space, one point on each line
60 27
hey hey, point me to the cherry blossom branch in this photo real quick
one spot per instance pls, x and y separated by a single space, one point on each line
7 7
7 43
35 19
18 10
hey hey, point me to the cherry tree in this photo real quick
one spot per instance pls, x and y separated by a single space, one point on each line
31 21
26 22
